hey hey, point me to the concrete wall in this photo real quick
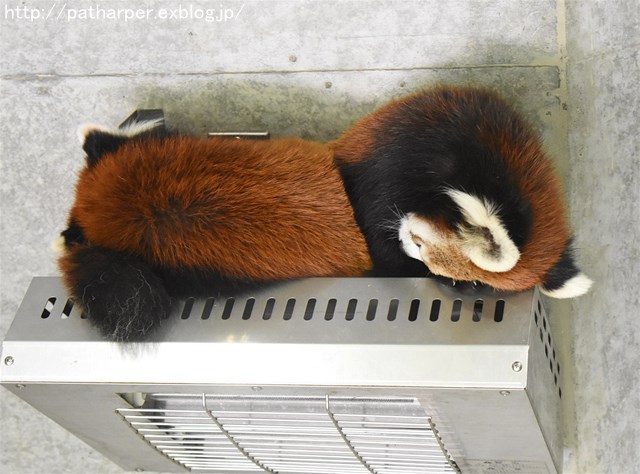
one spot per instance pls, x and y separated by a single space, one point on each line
604 145
311 68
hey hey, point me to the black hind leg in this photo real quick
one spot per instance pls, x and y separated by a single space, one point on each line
120 294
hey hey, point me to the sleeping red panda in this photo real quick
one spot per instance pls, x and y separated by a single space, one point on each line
158 215
452 181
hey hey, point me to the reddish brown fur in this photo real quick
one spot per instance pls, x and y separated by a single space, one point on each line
527 162
366 134
249 209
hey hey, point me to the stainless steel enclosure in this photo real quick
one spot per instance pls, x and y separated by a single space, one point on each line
311 376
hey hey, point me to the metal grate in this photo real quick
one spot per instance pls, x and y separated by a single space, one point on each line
292 434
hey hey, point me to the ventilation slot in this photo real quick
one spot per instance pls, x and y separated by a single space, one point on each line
248 309
48 307
308 311
188 306
351 309
268 309
66 311
393 310
413 310
477 310
228 307
288 310
435 310
455 310
371 310
498 315
208 307
331 309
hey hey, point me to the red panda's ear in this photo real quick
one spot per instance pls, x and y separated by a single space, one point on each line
98 141
565 280
484 238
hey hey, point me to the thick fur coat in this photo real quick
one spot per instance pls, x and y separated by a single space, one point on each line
449 182
461 181
158 216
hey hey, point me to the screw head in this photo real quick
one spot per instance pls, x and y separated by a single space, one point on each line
20 386
256 389
505 393
9 360
516 366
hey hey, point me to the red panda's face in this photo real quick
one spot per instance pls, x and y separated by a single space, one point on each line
478 250
443 252
479 247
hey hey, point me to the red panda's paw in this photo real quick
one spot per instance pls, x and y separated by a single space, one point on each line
121 296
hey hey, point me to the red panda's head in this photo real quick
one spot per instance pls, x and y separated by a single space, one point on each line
481 250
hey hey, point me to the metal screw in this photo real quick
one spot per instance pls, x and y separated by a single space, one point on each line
505 393
516 366
9 360
20 386
293 58
328 85
256 389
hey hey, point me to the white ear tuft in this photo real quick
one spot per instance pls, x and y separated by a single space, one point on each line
58 246
485 241
130 130
87 128
574 286
137 128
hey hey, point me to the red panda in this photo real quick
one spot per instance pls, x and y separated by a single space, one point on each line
158 215
449 182
452 181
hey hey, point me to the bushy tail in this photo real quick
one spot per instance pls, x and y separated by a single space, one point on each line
120 294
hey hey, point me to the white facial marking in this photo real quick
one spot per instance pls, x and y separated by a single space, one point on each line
404 234
575 286
414 228
481 214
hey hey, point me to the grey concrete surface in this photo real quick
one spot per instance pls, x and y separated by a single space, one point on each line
604 151
311 68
